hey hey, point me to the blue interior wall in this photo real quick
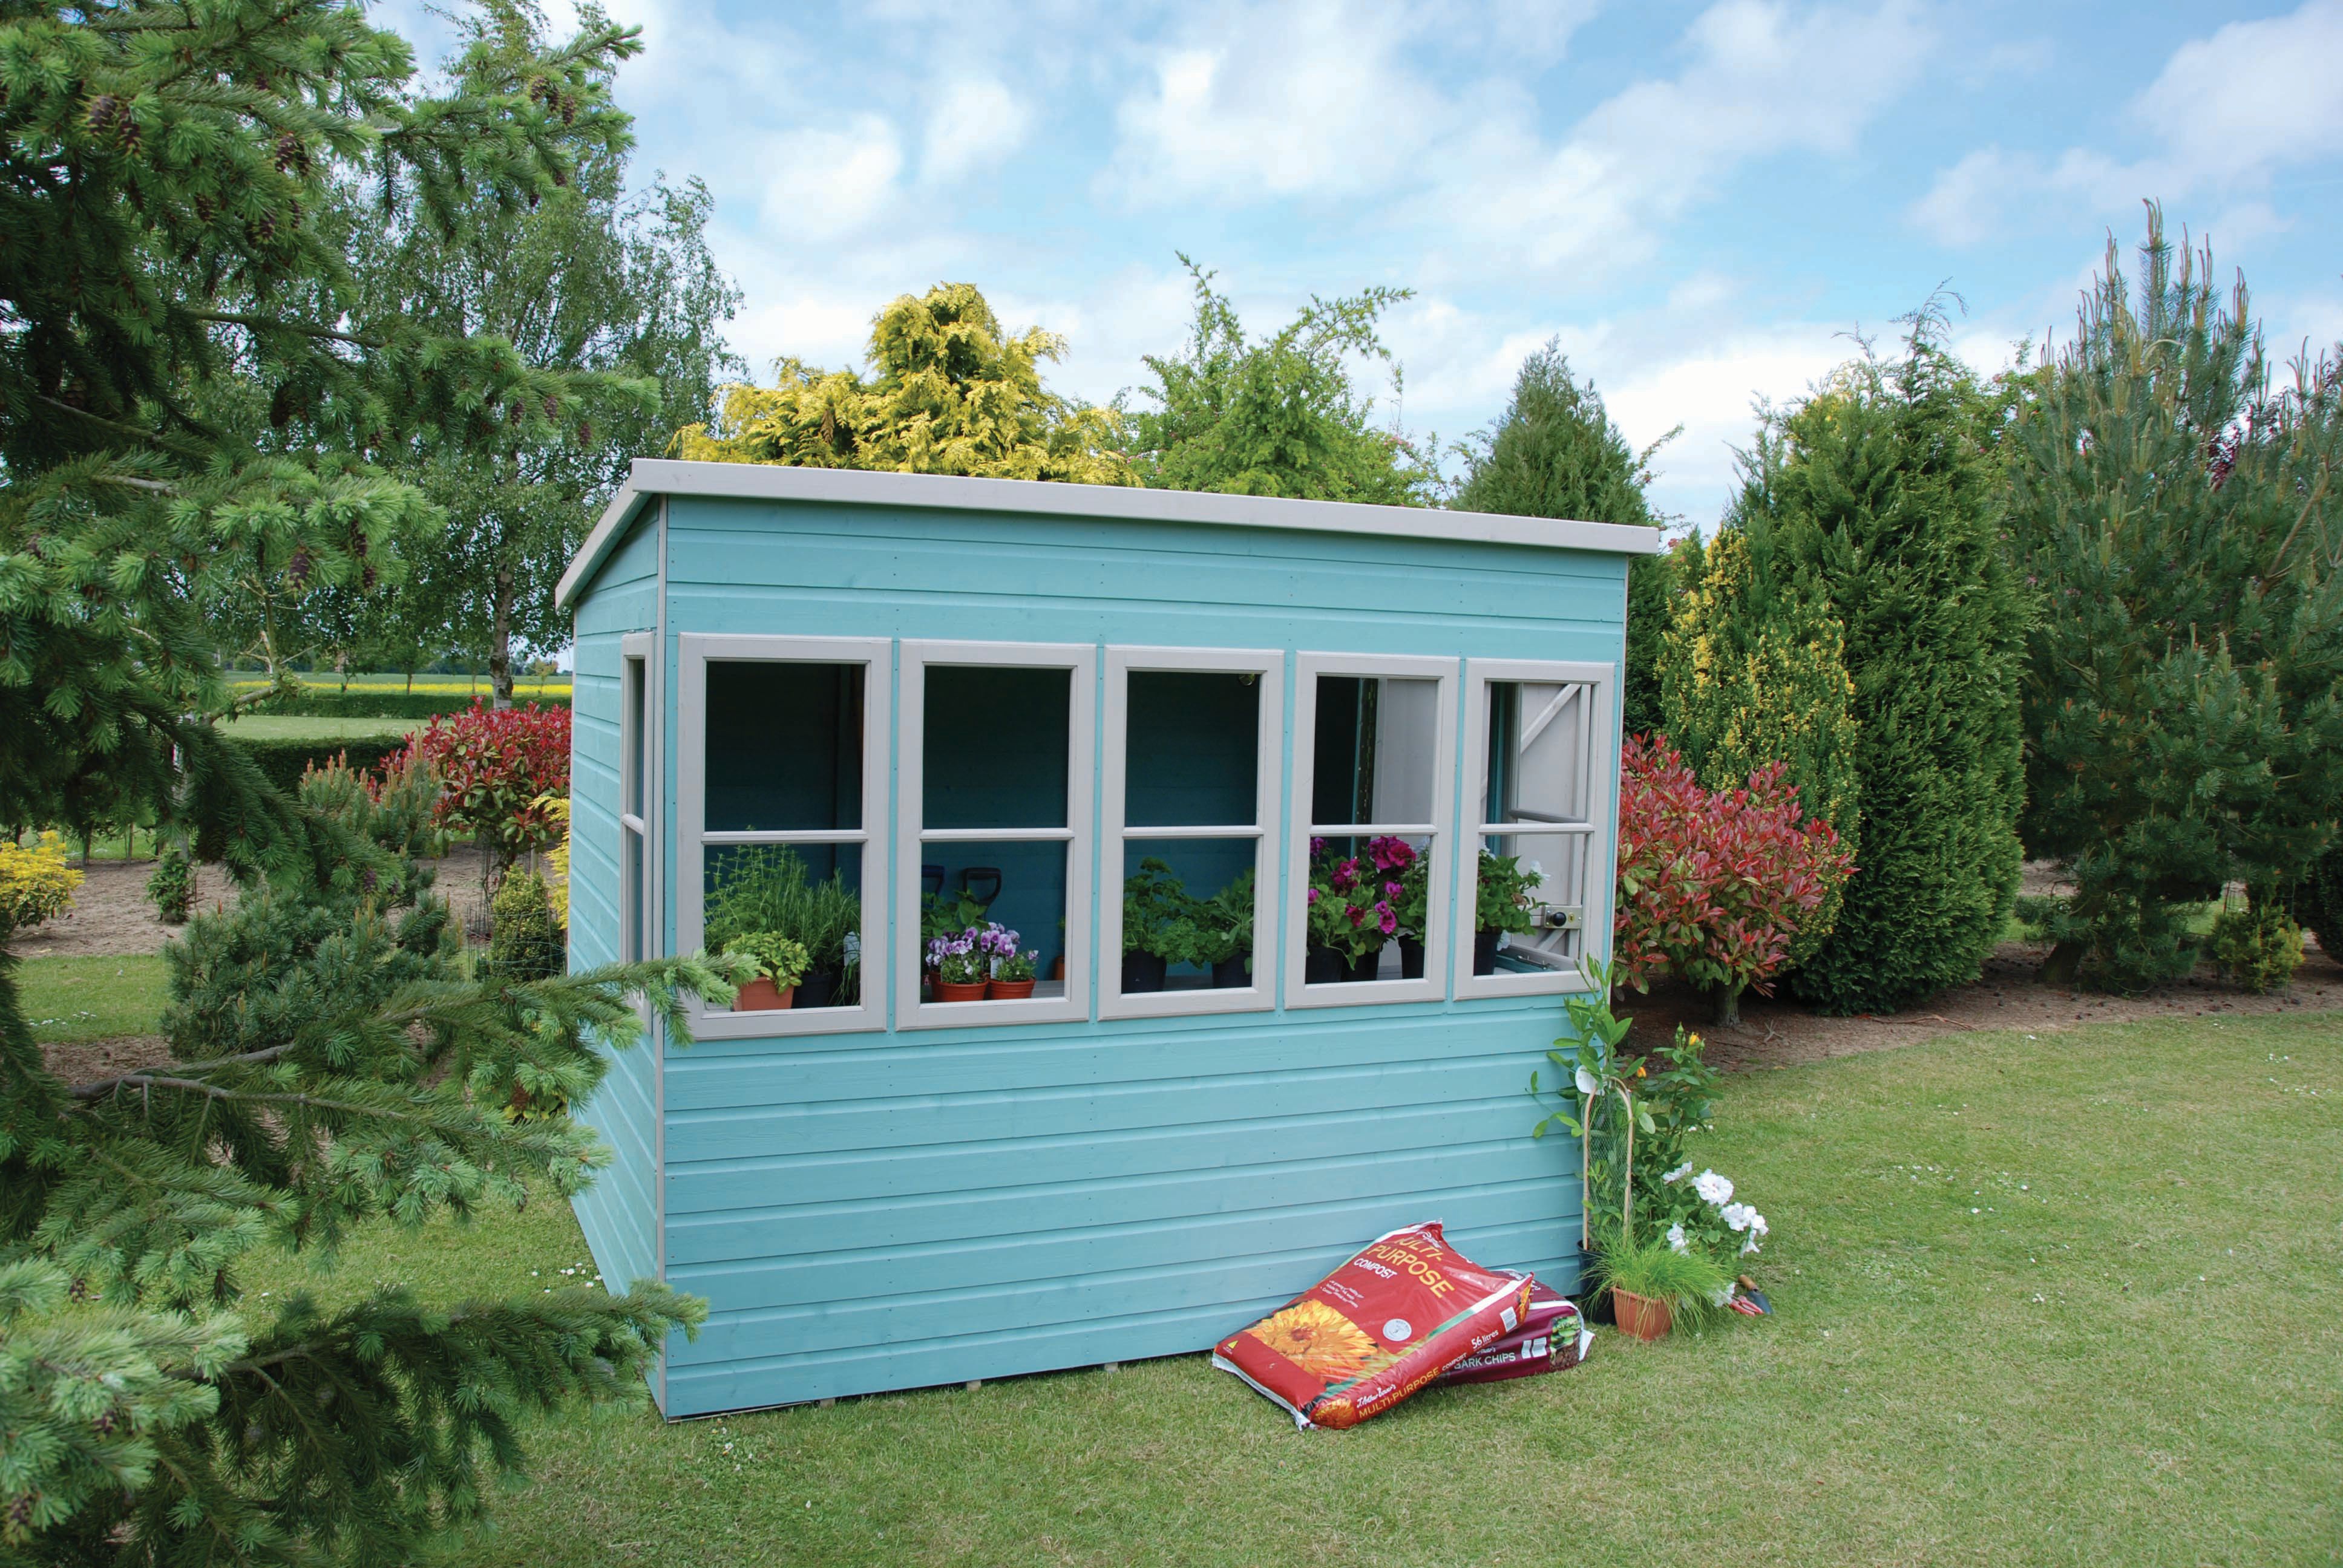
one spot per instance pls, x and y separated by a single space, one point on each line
619 1212
896 1209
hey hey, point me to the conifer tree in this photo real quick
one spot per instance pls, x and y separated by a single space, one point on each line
1879 494
2181 518
168 257
1554 453
1753 672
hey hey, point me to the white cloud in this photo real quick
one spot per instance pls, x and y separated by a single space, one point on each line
821 184
976 123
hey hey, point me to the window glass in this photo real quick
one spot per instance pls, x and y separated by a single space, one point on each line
809 893
637 747
1536 835
1188 913
1375 758
784 746
1192 751
996 746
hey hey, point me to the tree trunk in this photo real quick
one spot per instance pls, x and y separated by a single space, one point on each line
1725 1005
500 642
2064 965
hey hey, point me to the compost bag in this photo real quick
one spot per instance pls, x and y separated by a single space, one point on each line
1395 1316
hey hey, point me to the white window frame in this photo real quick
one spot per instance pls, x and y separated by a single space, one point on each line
911 835
1114 831
696 650
1442 830
637 770
1602 830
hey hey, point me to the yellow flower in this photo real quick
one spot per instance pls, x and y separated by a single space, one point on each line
1316 1338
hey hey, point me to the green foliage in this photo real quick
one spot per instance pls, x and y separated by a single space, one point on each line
1879 497
283 760
952 393
1507 895
1155 907
380 702
172 888
1690 1281
1277 416
1753 671
525 941
36 883
2318 902
765 888
2258 946
2179 520
778 957
1650 609
1208 932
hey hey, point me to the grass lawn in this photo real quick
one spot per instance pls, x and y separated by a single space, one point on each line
2060 1301
296 727
76 998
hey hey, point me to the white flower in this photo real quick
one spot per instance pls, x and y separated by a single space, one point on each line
1679 1173
1676 1238
1588 1083
1713 1188
1757 1223
1738 1215
1750 1245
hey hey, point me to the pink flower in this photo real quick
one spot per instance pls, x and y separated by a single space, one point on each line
1314 895
1390 922
1358 916
1390 854
1317 846
1391 889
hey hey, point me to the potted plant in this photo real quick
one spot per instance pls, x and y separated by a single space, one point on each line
1153 901
1654 1282
1505 903
1013 972
1224 943
781 961
1410 904
961 970
765 888
1351 915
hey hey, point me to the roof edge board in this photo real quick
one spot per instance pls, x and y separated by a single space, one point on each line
857 487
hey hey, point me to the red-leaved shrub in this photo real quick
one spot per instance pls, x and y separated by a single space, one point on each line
1713 883
493 765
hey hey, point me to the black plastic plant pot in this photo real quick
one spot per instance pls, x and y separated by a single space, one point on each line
1484 951
1411 959
1321 967
1232 974
1142 972
1365 966
1594 1305
817 988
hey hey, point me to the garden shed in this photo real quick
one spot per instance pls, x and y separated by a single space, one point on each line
1140 730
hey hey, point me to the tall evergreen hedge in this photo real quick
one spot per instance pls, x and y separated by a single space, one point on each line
1883 494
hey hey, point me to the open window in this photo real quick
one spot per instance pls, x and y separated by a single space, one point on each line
783 791
1537 891
1187 903
1366 901
994 878
635 752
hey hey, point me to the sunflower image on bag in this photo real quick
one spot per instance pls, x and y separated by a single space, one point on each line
1396 1315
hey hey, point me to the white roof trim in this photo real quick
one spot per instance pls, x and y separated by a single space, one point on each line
859 486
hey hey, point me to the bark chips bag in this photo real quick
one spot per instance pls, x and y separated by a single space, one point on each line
1376 1330
1551 1337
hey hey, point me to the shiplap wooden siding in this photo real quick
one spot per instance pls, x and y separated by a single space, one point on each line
883 1210
620 1212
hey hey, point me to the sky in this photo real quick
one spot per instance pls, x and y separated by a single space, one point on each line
1707 206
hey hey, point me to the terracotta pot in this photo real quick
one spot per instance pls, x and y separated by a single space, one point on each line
1640 1317
1008 990
1142 972
1484 951
1411 959
956 991
762 995
1058 967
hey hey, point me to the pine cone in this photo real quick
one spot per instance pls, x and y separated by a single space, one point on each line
103 110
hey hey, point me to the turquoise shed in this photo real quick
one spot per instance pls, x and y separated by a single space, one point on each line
868 710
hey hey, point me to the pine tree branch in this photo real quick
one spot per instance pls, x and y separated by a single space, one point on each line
98 1089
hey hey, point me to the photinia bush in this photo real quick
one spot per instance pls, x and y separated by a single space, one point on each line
495 768
1713 884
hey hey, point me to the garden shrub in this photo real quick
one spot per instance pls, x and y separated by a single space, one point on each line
36 883
2258 946
284 762
1752 675
1714 885
172 888
2318 902
378 702
1881 492
495 767
524 942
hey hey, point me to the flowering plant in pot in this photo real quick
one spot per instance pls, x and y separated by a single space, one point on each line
1013 972
1155 901
962 969
1506 903
781 962
1351 912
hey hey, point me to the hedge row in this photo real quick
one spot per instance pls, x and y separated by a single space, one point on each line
285 760
359 703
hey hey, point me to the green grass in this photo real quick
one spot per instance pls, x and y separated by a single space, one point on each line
69 1000
2064 1301
292 727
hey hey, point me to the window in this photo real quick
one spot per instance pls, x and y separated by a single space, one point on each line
995 761
634 798
782 771
1541 825
1190 796
1367 878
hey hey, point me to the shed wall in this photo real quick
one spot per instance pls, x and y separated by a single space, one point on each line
886 1210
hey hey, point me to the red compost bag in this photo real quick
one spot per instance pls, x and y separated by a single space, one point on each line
1389 1321
1553 1338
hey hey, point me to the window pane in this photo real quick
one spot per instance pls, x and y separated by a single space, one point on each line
1187 914
809 893
1527 891
1193 758
1020 887
784 746
637 741
997 742
1372 756
1537 752
1365 909
636 895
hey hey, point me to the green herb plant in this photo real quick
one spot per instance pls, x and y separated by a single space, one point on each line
1504 901
1154 904
1691 1282
778 957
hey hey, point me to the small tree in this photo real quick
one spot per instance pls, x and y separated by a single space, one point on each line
1753 674
1714 885
496 770
952 393
2181 523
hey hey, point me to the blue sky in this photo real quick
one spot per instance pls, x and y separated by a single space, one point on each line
1703 202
